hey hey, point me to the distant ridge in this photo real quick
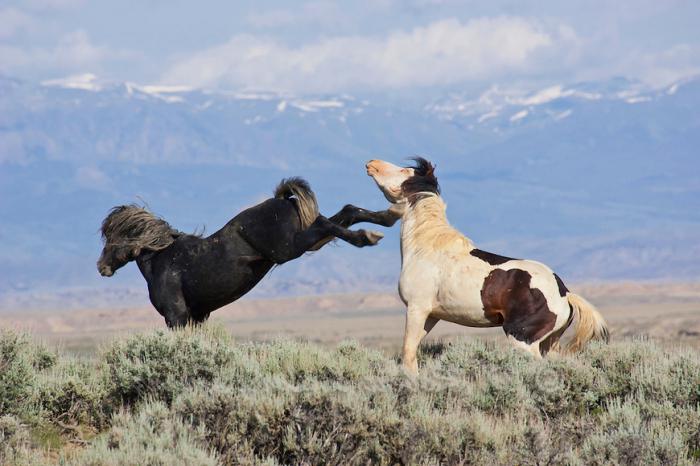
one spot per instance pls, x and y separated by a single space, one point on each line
597 179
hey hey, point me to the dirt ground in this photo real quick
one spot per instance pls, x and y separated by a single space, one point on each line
668 312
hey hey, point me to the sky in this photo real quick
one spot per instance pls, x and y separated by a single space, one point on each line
348 46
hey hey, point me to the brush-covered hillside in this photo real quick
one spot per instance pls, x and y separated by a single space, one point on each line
195 397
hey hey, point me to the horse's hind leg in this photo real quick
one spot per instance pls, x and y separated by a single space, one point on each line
537 340
550 343
532 349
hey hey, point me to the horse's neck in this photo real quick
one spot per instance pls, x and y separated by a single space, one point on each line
144 263
425 225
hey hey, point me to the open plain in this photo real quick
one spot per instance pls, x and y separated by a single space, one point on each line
667 312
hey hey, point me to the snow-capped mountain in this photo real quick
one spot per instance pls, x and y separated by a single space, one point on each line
600 180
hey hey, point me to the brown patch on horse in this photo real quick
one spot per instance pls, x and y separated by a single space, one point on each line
562 288
552 341
523 311
490 258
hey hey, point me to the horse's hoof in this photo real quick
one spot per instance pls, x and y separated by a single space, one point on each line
373 237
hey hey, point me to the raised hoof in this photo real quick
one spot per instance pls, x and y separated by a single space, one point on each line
373 237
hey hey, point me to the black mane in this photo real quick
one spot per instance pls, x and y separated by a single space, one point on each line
422 181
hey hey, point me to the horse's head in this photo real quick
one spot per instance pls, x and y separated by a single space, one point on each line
128 231
115 256
399 183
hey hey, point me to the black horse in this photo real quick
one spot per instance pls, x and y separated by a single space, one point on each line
189 276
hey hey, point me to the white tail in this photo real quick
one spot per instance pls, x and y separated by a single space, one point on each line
590 324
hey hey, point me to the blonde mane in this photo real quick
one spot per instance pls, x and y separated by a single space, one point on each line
426 228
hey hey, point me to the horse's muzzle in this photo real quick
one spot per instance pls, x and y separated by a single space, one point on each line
105 271
371 168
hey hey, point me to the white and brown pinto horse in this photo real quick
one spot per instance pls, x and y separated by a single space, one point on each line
445 277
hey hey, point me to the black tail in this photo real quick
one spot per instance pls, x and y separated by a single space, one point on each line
306 199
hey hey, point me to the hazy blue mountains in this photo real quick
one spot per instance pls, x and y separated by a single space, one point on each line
599 180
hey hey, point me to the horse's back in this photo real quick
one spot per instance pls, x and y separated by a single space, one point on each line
270 213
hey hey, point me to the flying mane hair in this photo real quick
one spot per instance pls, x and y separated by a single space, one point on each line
422 181
133 225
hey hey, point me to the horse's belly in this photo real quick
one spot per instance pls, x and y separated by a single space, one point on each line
462 306
469 317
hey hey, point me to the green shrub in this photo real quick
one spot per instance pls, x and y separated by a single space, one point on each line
73 393
14 439
626 437
15 444
162 364
192 396
561 386
151 437
297 362
20 361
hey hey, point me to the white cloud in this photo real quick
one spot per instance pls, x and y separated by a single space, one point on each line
73 52
443 52
655 68
76 48
667 66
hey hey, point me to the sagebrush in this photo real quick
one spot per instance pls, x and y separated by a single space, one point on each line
194 396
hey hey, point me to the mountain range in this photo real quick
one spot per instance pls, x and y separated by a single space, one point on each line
600 180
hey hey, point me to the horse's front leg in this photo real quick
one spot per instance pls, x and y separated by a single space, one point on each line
350 215
323 228
168 300
293 244
418 325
